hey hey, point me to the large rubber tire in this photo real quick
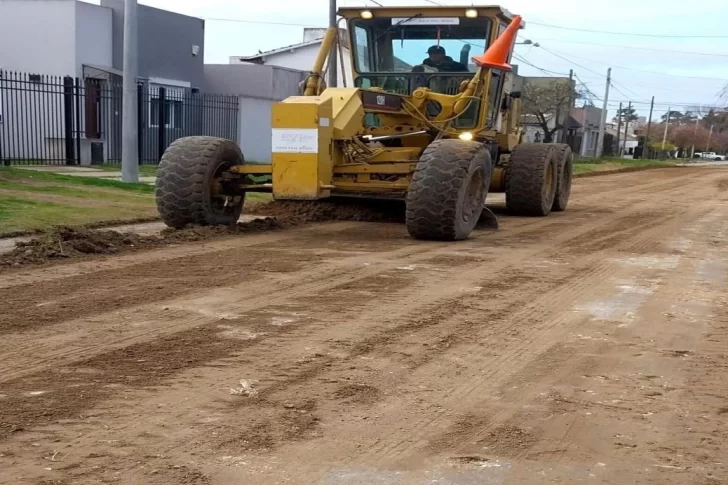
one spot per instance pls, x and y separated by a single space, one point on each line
563 185
448 190
187 172
531 179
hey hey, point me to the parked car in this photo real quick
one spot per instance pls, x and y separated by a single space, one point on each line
710 156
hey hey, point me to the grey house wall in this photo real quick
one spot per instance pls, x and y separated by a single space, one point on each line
93 37
258 87
37 36
172 35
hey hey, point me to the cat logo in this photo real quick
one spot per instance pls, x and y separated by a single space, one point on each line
381 100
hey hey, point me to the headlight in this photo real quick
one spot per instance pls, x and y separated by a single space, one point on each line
466 136
366 14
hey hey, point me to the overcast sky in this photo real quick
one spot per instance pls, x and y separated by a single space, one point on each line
676 74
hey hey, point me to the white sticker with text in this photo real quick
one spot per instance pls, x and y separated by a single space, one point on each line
295 140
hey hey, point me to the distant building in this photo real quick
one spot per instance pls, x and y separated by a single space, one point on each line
301 56
589 117
258 88
626 146
42 38
529 121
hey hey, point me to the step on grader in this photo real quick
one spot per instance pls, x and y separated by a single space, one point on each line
416 125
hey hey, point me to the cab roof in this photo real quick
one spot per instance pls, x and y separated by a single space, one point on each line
428 11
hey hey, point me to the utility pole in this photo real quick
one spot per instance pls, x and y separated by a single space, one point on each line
667 123
600 139
626 126
710 135
619 130
695 136
646 148
565 129
129 114
333 69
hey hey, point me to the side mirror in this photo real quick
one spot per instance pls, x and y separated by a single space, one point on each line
515 95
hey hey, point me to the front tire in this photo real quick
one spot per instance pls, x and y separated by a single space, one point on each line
448 190
531 179
188 189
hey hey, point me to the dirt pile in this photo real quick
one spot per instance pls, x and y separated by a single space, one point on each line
68 242
291 212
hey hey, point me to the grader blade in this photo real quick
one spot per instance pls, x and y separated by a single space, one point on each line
488 219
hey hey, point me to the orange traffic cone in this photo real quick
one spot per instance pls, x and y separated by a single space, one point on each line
497 54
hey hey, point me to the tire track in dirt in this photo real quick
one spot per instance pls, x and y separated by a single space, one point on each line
43 275
364 345
547 340
271 293
650 410
221 351
436 316
533 341
175 361
59 271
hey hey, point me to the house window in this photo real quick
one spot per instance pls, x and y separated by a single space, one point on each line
172 112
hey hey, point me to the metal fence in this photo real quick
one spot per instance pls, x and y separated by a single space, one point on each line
72 121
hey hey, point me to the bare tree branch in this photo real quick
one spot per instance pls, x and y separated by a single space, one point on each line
549 101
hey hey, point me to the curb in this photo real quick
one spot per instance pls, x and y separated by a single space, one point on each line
622 170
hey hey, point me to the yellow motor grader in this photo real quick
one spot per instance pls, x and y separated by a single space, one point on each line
414 124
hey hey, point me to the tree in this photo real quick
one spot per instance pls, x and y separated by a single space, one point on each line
626 115
717 118
674 116
719 142
684 136
549 102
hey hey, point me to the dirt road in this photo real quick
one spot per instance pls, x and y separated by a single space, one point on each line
587 347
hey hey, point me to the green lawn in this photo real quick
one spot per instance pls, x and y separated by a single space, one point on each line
10 173
24 214
608 164
32 200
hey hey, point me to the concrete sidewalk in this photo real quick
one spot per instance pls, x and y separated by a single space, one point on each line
77 171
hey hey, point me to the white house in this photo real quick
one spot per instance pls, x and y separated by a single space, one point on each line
42 41
302 56
627 144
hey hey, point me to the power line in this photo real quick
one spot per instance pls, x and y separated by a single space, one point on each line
260 22
633 34
631 47
528 63
570 61
617 85
682 104
620 91
642 70
587 88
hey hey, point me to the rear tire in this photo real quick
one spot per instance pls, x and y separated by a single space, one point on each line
531 179
187 189
448 190
563 186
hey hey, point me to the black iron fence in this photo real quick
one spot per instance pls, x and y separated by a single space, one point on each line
72 121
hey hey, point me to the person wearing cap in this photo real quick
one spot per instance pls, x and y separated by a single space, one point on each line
438 58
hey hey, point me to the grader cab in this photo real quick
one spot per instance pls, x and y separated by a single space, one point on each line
429 117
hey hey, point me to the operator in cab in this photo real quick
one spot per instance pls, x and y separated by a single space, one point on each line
438 58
